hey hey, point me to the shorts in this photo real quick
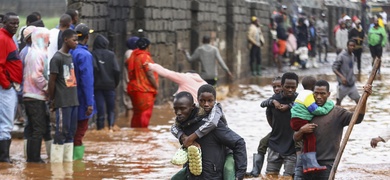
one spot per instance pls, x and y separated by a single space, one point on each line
343 91
275 162
282 46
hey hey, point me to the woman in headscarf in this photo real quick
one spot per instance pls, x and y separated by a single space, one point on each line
143 84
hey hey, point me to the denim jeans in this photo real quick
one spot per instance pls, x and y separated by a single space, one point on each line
66 123
8 105
105 100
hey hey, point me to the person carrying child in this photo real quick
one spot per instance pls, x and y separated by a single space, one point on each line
304 109
211 113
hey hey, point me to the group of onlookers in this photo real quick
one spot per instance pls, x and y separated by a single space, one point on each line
54 71
301 38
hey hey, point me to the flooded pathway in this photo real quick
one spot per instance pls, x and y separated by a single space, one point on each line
145 153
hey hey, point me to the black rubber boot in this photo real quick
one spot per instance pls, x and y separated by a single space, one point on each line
258 160
4 151
34 151
310 164
99 124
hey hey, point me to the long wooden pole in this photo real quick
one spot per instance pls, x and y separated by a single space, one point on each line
355 115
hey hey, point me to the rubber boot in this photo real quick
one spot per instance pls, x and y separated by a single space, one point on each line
25 148
298 175
68 152
34 151
310 164
4 150
229 171
78 152
100 124
259 70
314 62
57 153
48 147
181 175
258 160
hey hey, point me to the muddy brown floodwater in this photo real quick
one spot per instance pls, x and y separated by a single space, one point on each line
145 153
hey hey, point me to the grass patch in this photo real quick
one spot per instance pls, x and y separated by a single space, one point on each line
50 22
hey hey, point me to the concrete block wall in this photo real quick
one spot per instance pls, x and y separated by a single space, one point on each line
167 25
172 25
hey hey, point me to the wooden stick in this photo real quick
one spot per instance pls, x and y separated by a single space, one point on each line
362 101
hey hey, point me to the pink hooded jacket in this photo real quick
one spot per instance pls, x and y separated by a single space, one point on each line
189 82
36 64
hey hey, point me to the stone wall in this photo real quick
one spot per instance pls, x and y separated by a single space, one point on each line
173 25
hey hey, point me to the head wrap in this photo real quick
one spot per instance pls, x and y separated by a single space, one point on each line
142 43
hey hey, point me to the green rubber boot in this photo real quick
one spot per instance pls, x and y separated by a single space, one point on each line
259 70
78 152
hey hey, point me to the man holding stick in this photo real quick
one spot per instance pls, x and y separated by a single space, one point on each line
328 129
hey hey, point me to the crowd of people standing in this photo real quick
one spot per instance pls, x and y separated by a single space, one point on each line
304 39
54 72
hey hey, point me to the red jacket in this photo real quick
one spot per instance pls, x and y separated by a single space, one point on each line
11 67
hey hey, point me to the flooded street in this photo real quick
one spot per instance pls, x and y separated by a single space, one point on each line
145 153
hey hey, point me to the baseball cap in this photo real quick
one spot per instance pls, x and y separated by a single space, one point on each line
83 30
284 7
131 42
323 14
27 32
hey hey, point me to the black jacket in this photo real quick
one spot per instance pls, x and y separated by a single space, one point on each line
106 69
302 35
280 139
213 146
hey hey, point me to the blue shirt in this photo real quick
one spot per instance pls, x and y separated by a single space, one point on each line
83 66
